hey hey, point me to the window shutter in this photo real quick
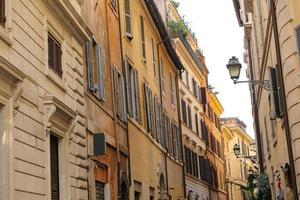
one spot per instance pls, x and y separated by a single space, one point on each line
203 95
54 168
298 38
126 73
156 108
275 92
137 97
183 111
127 16
189 117
101 91
151 113
124 113
89 59
147 102
143 37
2 12
99 190
54 55
116 91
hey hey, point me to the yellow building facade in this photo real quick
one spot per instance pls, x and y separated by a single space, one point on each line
151 75
272 54
234 132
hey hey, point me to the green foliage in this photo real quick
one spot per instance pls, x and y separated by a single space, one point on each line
263 188
177 27
175 3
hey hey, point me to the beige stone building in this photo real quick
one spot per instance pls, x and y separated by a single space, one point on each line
234 132
272 44
42 106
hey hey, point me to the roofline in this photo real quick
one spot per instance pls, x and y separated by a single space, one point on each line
237 8
163 32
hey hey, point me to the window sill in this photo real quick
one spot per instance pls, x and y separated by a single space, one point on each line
6 36
58 81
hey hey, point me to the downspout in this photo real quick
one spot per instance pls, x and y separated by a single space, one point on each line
127 132
283 98
256 119
180 129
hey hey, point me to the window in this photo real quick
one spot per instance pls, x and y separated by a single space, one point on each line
54 55
196 122
128 19
137 195
190 123
137 190
298 38
151 192
203 95
99 187
187 79
172 90
163 85
2 12
153 58
183 111
194 87
54 168
96 82
149 109
114 3
275 92
157 108
143 41
119 90
133 92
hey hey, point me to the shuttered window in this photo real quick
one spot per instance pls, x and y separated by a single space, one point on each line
133 92
172 90
203 95
187 79
196 122
275 91
189 113
149 108
95 69
153 58
183 111
119 91
162 74
99 190
54 168
54 55
157 109
128 19
143 41
298 38
2 13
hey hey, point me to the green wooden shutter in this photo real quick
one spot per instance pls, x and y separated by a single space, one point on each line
116 92
147 105
89 59
275 92
54 168
137 97
124 112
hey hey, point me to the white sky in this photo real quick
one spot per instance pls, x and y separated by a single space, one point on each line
220 37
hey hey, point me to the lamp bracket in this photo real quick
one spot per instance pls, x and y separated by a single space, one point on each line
265 84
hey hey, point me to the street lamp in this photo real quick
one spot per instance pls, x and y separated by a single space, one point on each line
250 171
237 152
234 68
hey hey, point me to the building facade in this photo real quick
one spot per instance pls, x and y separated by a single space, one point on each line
192 84
272 53
234 132
42 104
109 170
151 68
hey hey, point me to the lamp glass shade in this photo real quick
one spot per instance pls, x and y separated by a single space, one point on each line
234 68
250 171
236 150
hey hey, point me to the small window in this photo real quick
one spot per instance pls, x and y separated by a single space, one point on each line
54 167
128 19
99 190
298 38
54 55
2 13
143 41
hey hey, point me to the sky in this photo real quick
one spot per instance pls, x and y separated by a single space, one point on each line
220 37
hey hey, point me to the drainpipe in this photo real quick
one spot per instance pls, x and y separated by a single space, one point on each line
283 98
127 131
256 119
180 129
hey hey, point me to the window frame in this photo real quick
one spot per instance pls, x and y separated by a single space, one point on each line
143 39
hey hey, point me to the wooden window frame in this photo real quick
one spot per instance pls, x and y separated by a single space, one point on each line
55 60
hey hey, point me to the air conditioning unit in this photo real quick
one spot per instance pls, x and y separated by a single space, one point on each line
248 20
